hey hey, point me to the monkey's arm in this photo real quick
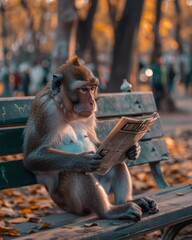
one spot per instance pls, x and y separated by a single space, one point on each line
51 159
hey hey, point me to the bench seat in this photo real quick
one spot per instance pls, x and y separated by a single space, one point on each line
174 203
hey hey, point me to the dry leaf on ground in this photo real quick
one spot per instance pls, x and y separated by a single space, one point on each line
9 231
91 224
44 225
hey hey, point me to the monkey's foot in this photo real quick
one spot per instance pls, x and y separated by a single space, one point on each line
128 211
147 205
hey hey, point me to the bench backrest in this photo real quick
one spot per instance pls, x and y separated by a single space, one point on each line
14 114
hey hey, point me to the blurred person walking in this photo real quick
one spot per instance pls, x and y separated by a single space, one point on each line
5 89
157 83
36 79
16 81
26 80
188 83
170 78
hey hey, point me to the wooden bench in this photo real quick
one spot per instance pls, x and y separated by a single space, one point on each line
174 201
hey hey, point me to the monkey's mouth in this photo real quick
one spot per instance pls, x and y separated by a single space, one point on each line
86 113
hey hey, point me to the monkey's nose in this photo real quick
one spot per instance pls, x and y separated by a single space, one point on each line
91 101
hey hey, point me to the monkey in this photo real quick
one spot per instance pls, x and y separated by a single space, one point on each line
60 145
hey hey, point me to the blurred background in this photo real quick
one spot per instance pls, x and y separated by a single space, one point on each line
146 42
149 43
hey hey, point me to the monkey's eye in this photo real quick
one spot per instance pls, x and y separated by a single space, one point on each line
93 88
86 89
83 90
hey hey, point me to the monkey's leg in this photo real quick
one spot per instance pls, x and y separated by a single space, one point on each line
121 184
122 189
82 191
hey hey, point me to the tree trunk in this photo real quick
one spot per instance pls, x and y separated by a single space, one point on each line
162 97
112 14
156 54
31 30
65 38
4 33
125 45
179 41
84 30
86 45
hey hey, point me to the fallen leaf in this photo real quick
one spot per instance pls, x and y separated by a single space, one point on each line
9 231
2 223
35 206
44 225
180 194
45 204
17 220
7 204
33 200
69 227
5 211
91 224
30 215
30 231
26 211
9 191
35 219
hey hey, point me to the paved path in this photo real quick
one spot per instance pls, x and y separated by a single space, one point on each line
180 120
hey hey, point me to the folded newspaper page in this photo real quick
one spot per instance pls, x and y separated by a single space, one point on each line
124 135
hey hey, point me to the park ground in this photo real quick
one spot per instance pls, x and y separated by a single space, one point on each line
181 120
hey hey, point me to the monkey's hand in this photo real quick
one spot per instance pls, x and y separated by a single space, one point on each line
147 205
89 162
133 152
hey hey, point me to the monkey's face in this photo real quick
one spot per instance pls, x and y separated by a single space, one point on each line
86 105
76 88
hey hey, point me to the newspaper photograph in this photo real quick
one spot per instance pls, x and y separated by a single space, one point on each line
126 133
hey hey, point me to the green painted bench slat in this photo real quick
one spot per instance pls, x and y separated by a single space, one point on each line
16 110
120 104
11 138
151 151
14 175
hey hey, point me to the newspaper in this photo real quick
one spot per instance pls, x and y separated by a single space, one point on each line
123 136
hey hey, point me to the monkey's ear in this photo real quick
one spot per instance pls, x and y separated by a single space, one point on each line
75 61
56 82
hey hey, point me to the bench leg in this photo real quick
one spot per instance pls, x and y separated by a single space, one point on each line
171 232
157 174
